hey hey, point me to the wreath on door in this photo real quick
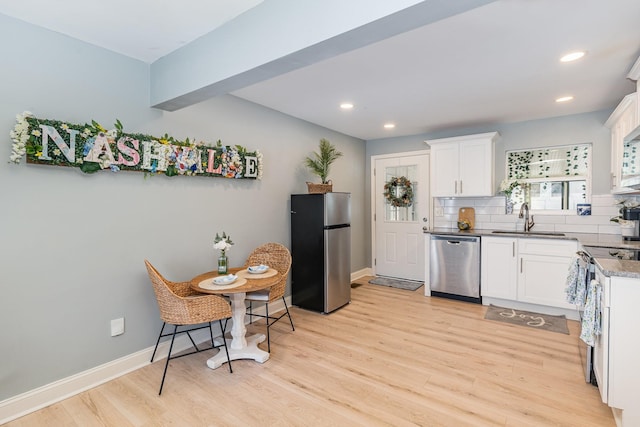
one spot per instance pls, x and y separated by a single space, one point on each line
399 192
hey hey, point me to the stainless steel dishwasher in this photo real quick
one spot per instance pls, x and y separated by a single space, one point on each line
455 267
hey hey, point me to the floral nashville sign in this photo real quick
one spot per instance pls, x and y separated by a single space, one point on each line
93 148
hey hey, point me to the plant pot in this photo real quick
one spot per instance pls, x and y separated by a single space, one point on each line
319 188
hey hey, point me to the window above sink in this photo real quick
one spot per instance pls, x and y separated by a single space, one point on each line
553 179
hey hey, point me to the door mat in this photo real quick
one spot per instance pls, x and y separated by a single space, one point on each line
410 285
526 318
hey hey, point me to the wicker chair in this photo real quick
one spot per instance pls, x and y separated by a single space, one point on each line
277 256
180 306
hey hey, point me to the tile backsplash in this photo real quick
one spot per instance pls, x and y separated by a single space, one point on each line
490 214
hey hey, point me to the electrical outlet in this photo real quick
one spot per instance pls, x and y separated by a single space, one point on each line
438 211
117 327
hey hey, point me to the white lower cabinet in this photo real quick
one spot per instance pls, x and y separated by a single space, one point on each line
542 274
615 355
499 267
528 270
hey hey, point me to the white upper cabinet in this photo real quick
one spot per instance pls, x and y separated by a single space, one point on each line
622 121
463 166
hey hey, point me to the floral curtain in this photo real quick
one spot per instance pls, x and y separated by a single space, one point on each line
549 162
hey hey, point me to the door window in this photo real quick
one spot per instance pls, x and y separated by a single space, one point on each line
400 193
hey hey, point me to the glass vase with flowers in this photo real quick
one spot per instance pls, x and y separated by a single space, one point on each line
506 187
223 243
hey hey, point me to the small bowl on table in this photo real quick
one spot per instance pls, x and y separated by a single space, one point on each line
225 280
257 269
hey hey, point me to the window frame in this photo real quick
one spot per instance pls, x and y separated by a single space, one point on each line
587 178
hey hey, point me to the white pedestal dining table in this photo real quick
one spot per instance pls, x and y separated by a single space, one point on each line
239 346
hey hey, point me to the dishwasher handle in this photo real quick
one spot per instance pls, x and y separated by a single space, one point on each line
456 240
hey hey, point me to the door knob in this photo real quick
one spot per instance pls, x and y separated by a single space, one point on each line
425 228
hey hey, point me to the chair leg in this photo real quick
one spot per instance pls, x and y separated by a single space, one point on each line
166 365
266 307
193 343
288 314
250 312
157 342
211 334
224 341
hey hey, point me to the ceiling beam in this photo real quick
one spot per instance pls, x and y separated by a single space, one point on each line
279 36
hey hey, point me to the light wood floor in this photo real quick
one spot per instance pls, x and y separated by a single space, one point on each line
391 357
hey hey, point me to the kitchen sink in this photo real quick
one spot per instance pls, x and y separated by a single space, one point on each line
529 233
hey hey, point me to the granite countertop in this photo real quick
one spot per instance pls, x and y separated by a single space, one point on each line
609 266
619 267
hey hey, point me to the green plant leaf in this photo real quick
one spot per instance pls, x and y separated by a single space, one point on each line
90 167
171 170
319 163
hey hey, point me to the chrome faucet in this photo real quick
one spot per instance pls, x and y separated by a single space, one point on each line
524 213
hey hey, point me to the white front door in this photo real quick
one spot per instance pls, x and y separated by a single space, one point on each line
400 215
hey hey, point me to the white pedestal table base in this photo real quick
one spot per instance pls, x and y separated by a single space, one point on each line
251 351
240 346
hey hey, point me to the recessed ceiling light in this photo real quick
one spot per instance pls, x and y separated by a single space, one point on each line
346 106
564 98
389 125
572 56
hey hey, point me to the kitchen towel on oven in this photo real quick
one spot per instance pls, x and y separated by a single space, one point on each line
591 326
576 286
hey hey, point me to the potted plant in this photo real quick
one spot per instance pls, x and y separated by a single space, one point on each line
319 163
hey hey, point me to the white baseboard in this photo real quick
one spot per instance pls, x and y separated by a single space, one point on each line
361 273
41 397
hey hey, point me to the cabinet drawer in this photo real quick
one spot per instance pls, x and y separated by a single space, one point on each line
547 246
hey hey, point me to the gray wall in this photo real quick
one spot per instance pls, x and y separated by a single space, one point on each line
574 129
74 244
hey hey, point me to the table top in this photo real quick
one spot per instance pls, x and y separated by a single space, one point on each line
251 284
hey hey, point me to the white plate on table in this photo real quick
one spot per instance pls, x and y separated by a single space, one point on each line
225 280
258 269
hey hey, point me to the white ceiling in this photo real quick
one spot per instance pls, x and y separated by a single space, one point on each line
494 64
141 29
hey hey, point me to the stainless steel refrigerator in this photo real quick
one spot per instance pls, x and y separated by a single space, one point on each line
321 251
